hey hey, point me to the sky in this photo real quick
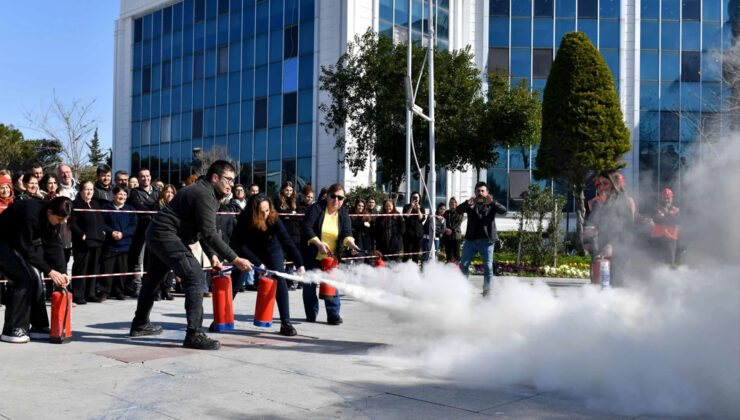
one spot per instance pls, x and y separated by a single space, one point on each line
49 46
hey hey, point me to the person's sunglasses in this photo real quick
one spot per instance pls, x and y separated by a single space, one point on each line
228 179
337 197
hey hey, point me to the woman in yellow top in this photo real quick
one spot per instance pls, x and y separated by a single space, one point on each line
326 227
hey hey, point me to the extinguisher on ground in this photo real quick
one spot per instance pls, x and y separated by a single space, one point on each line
601 272
61 316
265 305
223 303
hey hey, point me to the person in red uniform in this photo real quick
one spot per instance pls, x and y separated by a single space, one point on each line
664 235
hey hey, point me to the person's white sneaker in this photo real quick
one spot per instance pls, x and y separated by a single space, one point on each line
16 335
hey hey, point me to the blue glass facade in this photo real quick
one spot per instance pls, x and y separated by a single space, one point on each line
682 97
523 38
394 20
237 75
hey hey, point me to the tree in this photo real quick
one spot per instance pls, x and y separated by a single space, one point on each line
366 113
583 130
69 124
15 152
95 155
513 115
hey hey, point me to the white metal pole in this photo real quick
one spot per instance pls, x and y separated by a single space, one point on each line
432 169
409 115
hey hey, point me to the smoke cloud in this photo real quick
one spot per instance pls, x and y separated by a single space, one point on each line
668 344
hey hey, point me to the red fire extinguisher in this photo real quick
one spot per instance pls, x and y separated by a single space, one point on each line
326 291
600 272
61 316
263 308
379 263
223 305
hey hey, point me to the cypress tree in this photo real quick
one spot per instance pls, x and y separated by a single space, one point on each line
583 130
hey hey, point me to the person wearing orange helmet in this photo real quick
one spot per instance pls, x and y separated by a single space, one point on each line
664 235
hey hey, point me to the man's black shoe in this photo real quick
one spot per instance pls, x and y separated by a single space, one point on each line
79 301
287 329
146 329
200 341
167 295
334 320
42 333
93 299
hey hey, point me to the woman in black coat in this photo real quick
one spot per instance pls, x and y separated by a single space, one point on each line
88 234
362 225
452 234
389 231
325 229
260 236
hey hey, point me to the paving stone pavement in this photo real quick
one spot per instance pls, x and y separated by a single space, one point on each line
324 372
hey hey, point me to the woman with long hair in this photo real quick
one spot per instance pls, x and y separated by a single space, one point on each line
325 230
50 185
389 231
166 194
88 233
362 227
286 205
260 236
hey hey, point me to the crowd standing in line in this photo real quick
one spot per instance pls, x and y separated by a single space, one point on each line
188 235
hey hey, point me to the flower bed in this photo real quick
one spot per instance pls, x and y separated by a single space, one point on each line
525 269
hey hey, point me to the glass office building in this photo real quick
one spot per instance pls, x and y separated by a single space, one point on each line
234 75
240 78
683 102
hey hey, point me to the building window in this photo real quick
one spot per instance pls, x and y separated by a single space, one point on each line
223 6
197 123
260 113
543 8
137 30
588 9
198 66
290 75
541 62
146 132
290 48
165 134
669 126
167 20
690 66
499 8
222 61
166 74
498 58
290 105
200 10
146 79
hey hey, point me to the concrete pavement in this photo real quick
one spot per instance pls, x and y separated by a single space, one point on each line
324 372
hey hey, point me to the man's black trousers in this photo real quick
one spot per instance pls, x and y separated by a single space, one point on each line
175 256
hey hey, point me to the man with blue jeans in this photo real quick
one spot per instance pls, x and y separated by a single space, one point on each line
480 234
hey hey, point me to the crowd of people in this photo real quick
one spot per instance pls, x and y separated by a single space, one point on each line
127 225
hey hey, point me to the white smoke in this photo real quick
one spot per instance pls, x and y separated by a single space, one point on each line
667 345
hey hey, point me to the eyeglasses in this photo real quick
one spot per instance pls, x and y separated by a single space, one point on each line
229 179
337 197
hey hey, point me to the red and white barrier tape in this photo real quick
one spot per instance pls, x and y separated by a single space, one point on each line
237 213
